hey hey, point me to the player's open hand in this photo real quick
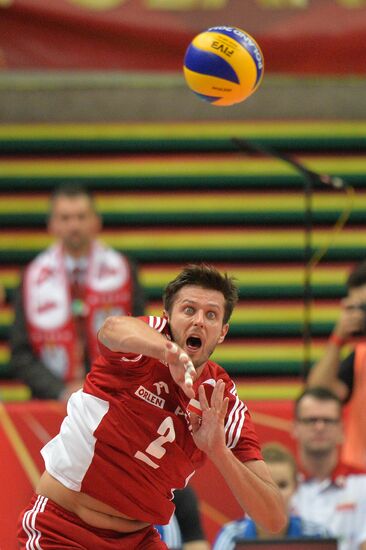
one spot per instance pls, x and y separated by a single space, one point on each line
208 429
181 368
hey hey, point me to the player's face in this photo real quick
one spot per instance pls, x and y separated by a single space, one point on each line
74 222
196 322
318 427
284 477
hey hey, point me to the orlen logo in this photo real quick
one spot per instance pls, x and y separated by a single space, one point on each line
150 397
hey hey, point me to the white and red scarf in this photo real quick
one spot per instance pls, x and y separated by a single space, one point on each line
47 300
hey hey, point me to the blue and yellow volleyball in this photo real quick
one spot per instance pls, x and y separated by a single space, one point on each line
223 65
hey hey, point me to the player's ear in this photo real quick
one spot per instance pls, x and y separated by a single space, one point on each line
224 330
165 314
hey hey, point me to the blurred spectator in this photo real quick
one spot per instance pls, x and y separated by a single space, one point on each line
331 492
347 378
66 293
184 530
283 469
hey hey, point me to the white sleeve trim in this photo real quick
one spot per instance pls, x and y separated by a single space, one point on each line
235 420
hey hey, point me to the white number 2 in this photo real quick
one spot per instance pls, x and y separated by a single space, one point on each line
156 449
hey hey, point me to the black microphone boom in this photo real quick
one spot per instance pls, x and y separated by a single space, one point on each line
249 147
311 178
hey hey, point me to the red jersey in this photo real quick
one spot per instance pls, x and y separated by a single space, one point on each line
126 440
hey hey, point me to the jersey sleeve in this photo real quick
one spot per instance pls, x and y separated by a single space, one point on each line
240 433
117 357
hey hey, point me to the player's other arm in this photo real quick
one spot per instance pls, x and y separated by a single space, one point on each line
253 487
132 335
250 482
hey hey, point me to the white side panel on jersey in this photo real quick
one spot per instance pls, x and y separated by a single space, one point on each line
68 455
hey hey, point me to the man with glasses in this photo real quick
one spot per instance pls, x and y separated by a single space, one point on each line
330 492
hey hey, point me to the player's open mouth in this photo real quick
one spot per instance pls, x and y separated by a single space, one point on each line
193 343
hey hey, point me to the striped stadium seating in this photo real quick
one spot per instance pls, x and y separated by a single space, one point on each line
175 193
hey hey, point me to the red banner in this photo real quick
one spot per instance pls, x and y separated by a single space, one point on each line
296 36
26 427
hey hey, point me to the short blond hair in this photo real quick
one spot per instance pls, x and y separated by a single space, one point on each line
276 453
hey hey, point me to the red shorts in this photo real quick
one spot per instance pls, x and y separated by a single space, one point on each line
44 525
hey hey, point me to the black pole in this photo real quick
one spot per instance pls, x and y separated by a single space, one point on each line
310 178
307 287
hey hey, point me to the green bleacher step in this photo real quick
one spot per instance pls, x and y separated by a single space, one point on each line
179 208
242 357
174 172
254 281
214 136
250 319
177 244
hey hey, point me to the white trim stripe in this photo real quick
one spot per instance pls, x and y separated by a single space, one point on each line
161 324
158 323
230 416
233 427
29 524
235 420
239 428
133 360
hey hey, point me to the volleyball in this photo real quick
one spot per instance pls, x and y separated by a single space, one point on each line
223 65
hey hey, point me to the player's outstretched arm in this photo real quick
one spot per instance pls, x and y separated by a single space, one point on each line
251 482
132 335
